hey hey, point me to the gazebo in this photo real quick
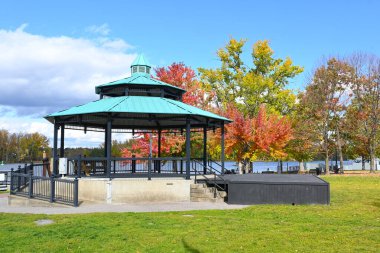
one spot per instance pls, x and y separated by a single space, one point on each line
136 104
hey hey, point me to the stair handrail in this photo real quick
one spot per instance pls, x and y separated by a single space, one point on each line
213 172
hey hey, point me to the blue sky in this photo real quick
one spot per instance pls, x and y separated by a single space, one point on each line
70 46
191 31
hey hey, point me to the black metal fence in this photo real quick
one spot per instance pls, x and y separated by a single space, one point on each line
127 167
64 191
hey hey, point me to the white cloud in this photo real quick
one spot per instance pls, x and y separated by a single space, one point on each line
102 30
41 75
45 74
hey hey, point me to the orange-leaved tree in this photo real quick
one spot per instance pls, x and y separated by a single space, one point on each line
249 138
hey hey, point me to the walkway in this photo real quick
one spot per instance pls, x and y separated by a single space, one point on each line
22 205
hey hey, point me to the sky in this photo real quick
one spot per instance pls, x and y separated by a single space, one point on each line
53 54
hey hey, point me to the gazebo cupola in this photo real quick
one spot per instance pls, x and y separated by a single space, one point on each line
140 66
140 83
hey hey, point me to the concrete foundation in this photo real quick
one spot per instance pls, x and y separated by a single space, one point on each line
124 190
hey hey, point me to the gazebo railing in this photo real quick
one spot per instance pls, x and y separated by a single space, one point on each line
129 167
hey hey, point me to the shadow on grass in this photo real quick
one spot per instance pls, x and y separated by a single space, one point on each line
188 248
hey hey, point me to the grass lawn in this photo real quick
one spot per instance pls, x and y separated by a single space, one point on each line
350 224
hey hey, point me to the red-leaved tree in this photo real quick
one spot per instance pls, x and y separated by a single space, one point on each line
249 138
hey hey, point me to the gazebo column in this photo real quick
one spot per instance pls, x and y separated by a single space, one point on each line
159 151
108 146
222 148
55 149
188 151
62 147
205 150
105 142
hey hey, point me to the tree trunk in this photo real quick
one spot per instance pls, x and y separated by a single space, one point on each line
363 163
240 167
327 165
246 166
340 152
372 160
302 168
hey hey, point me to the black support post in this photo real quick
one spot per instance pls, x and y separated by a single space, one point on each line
205 150
222 147
188 150
55 150
158 162
108 146
62 146
105 142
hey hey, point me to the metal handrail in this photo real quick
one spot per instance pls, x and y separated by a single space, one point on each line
213 171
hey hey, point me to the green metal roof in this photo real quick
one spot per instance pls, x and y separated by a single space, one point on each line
138 105
138 79
140 60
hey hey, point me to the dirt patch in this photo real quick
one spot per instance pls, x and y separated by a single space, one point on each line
43 222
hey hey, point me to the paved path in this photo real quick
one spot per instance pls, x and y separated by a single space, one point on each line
21 205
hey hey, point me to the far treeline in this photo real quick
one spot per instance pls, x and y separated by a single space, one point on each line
337 113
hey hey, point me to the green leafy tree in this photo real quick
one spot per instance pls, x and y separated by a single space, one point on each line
248 87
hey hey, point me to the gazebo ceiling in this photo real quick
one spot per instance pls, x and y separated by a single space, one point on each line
137 112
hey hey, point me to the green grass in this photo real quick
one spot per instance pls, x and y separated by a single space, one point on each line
350 224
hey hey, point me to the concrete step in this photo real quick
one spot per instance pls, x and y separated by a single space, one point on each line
198 186
202 190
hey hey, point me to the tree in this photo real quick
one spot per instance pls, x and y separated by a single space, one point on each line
365 107
247 88
179 75
304 145
325 101
19 147
249 138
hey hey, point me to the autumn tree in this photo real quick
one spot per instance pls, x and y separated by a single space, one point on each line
182 76
304 144
365 107
248 86
249 138
325 101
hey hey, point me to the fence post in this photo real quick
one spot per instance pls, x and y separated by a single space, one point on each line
79 172
11 187
19 179
52 188
76 202
133 164
150 167
31 168
31 184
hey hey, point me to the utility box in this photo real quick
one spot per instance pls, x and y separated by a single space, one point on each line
62 167
277 189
